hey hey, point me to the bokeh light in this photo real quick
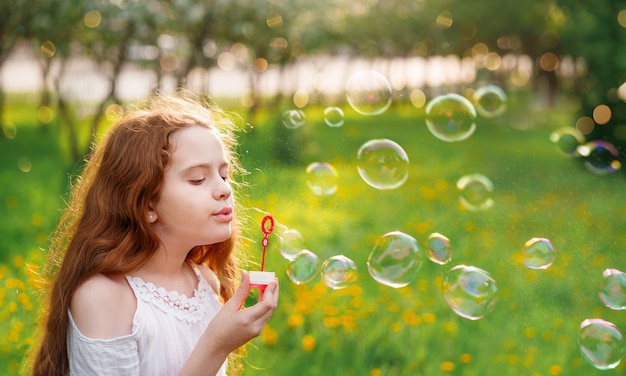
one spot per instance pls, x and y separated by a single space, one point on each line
538 253
333 117
600 157
567 140
304 267
601 343
368 92
395 259
469 291
490 101
438 248
383 164
321 177
613 289
339 272
294 118
451 117
475 192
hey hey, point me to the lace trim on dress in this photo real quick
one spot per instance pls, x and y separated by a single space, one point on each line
184 308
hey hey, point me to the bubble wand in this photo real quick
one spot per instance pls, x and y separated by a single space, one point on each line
260 279
266 233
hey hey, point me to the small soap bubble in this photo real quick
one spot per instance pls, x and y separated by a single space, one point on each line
395 259
333 117
601 343
304 267
438 248
613 289
567 140
475 192
290 242
368 92
294 118
383 164
339 272
451 117
321 177
490 101
538 253
469 291
600 157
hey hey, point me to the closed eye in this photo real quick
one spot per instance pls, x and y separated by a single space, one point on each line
197 181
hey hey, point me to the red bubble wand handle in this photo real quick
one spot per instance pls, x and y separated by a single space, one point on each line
266 232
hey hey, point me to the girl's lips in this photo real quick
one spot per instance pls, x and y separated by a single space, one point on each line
224 215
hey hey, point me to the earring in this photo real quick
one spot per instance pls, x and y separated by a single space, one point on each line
151 217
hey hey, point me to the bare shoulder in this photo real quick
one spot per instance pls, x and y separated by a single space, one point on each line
210 277
103 307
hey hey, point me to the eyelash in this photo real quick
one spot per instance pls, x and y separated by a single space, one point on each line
200 181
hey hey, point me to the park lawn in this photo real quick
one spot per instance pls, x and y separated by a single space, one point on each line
368 328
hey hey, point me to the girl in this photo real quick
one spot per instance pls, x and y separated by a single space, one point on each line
144 255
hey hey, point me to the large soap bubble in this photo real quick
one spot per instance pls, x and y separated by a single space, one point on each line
290 242
538 253
600 157
294 118
451 117
333 117
567 140
490 101
368 92
469 291
475 192
321 177
382 164
339 272
613 289
395 259
304 267
601 343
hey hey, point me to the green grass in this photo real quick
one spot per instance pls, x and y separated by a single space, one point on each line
368 328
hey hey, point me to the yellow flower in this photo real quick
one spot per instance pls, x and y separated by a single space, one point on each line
308 343
375 372
466 358
269 336
294 320
555 370
447 366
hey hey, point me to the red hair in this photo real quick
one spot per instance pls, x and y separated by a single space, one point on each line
104 227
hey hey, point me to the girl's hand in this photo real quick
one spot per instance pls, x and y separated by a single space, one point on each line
231 328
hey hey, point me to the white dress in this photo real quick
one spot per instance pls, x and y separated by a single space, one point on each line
166 328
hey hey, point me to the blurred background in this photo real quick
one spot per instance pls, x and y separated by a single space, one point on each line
446 175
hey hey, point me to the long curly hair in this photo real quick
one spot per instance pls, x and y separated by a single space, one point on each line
104 228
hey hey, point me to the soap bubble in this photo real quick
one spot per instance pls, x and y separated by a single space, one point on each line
538 253
339 272
333 117
438 248
395 259
450 117
475 192
613 290
304 267
290 242
490 101
600 157
601 343
469 291
368 92
567 139
293 119
382 164
321 178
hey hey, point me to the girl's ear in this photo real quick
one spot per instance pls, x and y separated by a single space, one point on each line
151 216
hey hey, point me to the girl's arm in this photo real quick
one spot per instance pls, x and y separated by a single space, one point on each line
231 328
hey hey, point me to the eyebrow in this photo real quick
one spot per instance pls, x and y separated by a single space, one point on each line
204 166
